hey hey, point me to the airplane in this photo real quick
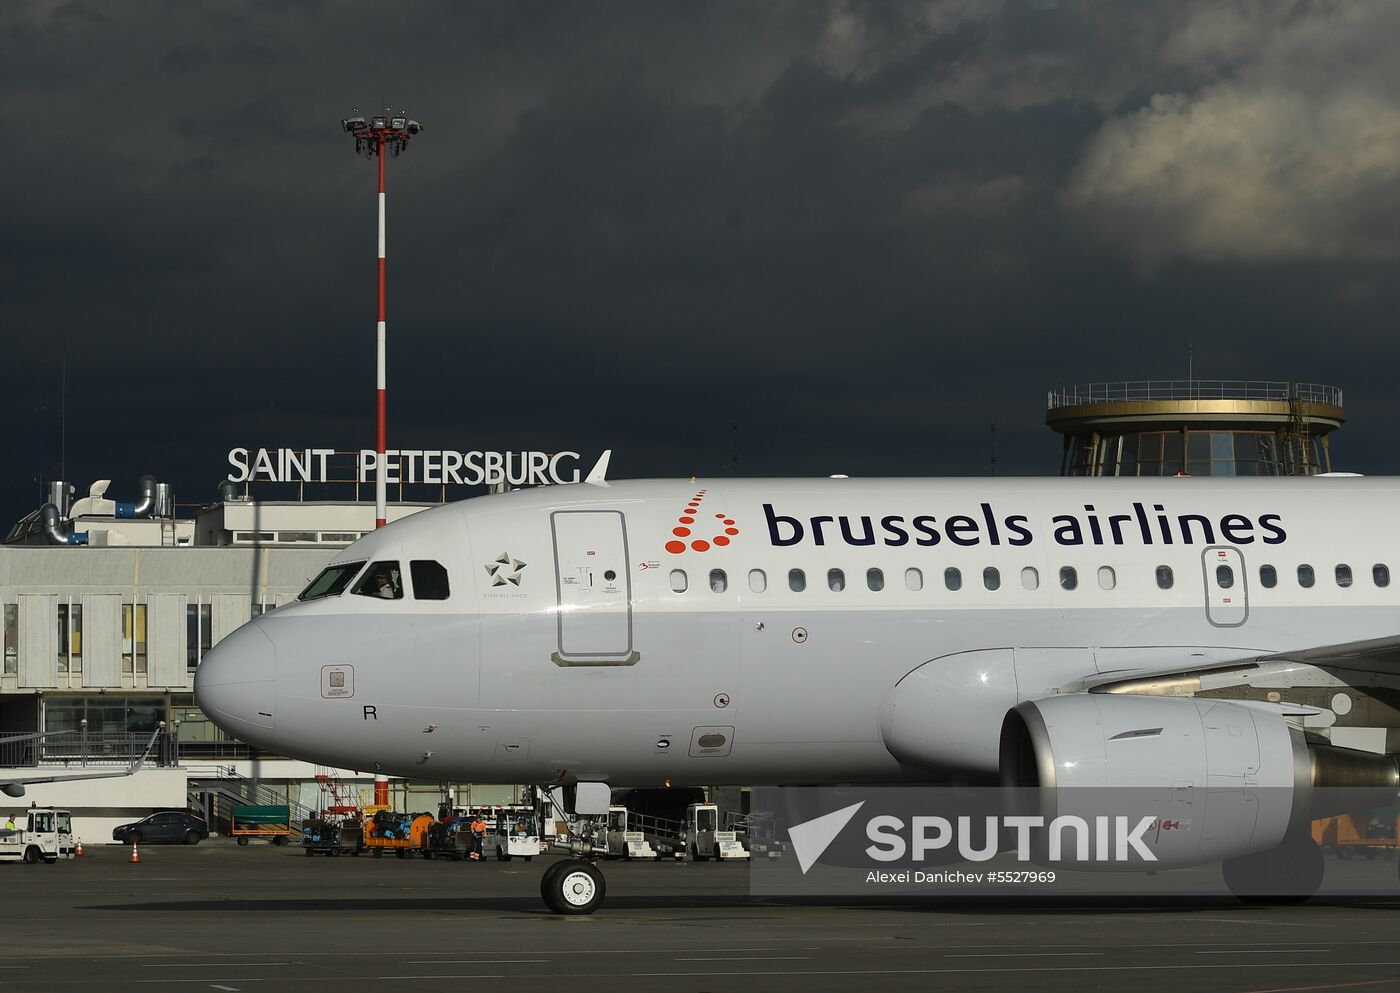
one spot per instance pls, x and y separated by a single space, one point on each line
14 786
1048 633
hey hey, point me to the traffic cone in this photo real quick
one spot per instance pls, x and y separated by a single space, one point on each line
135 856
79 852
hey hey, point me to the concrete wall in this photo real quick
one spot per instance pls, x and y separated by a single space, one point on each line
98 805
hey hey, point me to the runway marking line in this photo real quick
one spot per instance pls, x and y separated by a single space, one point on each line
212 965
1277 951
746 958
1330 986
1052 968
1018 955
481 962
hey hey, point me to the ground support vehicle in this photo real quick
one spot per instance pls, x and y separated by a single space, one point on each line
272 824
624 843
47 836
704 840
388 831
512 832
756 832
449 839
1369 834
331 836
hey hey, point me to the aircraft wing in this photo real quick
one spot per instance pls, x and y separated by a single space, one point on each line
14 785
1373 655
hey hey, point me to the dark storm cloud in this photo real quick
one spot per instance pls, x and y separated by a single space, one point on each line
861 233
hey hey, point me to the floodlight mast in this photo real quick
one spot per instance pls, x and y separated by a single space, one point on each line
382 133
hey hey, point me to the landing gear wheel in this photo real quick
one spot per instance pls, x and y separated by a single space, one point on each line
573 887
1290 873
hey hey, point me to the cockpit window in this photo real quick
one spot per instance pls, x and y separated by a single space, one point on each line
429 580
383 580
332 581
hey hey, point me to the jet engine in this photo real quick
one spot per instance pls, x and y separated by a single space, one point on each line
1219 780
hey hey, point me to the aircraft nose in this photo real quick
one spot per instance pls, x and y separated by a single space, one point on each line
236 684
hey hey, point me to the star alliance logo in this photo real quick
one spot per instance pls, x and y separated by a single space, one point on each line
505 571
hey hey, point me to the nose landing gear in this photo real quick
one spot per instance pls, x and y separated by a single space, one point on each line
573 887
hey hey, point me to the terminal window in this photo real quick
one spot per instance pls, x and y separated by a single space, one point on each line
11 638
70 637
133 637
199 624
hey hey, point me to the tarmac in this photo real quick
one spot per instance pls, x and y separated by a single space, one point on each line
264 919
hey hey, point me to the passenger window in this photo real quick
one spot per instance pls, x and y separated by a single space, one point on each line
719 582
429 580
758 580
1343 575
1069 579
952 579
1030 578
1380 574
797 580
991 578
679 583
835 580
913 580
381 580
875 579
1268 577
1108 579
1306 577
1164 577
1224 577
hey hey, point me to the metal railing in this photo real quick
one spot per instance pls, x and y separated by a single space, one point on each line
223 781
1193 389
75 750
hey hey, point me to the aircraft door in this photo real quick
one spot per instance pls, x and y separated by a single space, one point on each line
1227 594
594 588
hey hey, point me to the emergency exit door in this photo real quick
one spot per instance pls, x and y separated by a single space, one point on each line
594 588
1227 595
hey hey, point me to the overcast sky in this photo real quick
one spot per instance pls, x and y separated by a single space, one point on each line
861 233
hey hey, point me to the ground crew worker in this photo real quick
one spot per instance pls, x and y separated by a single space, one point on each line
10 824
478 836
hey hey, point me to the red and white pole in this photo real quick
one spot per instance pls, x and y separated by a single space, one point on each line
381 462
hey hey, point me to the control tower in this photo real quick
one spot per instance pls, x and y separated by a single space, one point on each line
1196 427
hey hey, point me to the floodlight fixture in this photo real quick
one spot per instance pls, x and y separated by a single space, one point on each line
384 133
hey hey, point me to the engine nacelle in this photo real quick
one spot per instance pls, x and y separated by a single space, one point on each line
12 789
1221 779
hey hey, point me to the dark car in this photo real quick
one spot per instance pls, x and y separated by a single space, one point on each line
173 827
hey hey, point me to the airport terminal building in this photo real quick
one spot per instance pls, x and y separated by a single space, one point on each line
110 605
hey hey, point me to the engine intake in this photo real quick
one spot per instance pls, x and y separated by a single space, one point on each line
1229 778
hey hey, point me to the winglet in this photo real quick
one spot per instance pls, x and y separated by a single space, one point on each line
140 760
598 475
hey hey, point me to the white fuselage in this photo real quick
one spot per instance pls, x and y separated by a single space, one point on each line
757 631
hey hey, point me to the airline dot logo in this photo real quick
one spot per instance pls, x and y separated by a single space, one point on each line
689 534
